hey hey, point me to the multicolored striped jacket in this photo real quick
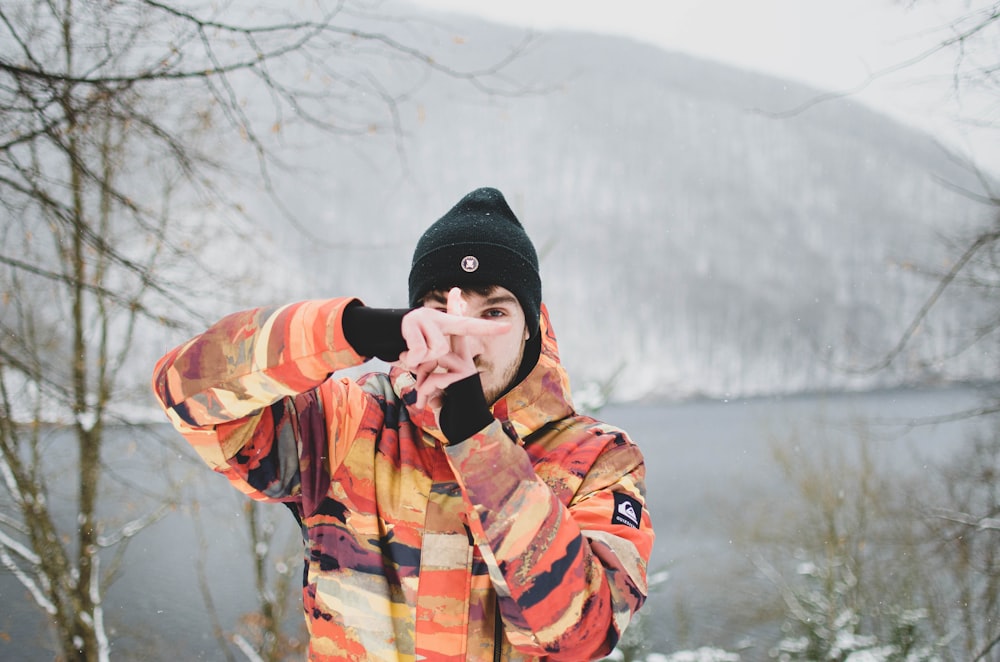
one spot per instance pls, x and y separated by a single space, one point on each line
527 541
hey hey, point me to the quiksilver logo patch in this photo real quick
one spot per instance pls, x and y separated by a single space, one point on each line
628 511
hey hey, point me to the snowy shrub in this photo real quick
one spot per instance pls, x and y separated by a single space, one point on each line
700 655
822 627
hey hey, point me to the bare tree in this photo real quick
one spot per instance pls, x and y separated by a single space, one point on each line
965 528
962 523
969 39
113 117
275 572
965 539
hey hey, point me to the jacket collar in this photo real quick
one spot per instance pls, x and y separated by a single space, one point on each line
541 397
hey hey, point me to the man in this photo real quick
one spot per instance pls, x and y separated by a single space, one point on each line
456 508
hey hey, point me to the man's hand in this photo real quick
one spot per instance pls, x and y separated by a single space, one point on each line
441 346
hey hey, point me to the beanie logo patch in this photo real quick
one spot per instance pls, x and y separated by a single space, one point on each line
470 263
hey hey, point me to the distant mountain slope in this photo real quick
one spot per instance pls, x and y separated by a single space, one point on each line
692 242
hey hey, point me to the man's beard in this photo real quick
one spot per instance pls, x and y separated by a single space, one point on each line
493 392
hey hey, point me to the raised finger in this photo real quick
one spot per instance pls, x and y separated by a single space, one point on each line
456 303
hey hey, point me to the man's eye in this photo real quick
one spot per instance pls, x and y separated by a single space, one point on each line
494 313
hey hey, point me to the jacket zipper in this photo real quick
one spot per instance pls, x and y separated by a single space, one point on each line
498 634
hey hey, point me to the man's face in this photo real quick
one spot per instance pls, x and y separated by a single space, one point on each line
496 357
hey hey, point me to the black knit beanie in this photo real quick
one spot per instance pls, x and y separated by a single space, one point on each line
478 243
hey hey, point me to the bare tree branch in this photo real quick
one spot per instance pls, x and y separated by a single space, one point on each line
978 523
987 648
943 284
960 34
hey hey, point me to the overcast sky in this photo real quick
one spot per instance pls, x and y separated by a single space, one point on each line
832 44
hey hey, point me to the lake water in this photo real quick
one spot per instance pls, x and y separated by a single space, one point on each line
705 460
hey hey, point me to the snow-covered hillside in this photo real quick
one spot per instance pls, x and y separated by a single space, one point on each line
695 239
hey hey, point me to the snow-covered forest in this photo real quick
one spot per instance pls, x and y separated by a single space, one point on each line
704 232
695 241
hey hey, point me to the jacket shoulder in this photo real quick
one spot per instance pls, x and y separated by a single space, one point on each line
579 435
576 449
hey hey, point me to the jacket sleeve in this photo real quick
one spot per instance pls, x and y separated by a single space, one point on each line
243 392
570 577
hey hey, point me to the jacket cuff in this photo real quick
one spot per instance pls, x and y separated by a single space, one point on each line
464 411
375 331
